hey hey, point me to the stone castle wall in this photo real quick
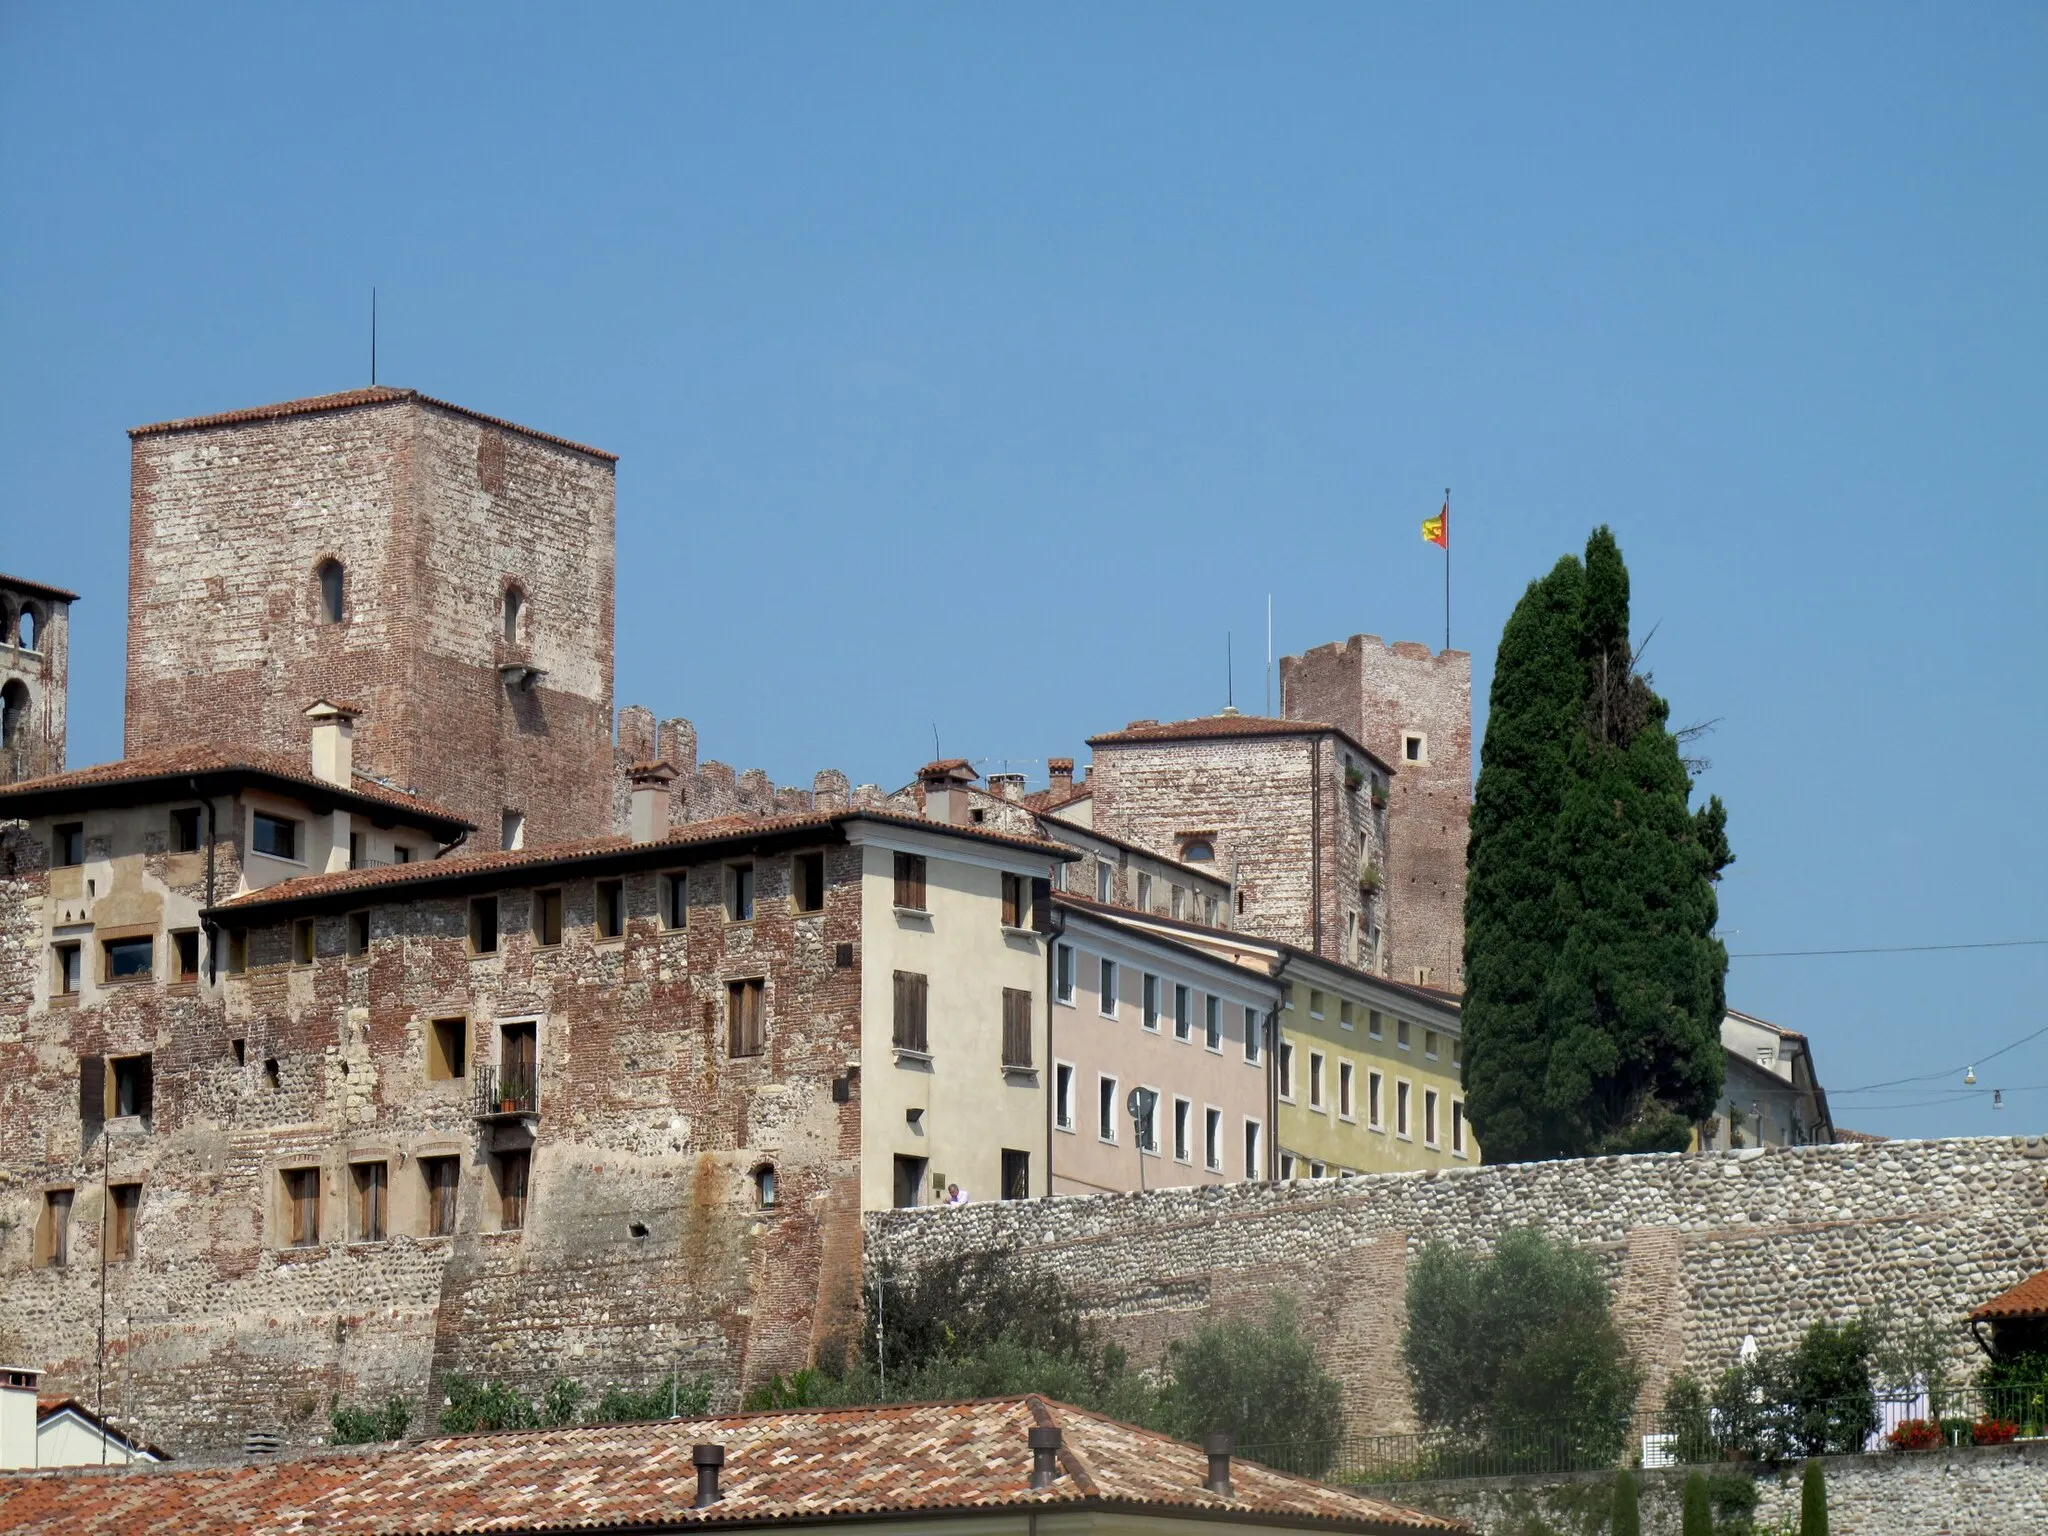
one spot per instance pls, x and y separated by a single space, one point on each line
1701 1250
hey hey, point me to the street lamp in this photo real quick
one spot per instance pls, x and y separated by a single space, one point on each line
1141 1103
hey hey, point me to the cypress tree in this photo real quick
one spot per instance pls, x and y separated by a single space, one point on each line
1813 1501
1594 987
1628 1520
1695 1510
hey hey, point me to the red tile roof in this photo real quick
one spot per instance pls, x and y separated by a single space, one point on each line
721 829
1843 1133
1221 727
348 400
850 1463
174 763
2027 1299
41 587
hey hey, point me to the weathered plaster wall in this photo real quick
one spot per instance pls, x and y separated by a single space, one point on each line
1701 1250
42 672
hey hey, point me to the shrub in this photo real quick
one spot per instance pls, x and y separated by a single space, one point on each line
1910 1352
1990 1431
1813 1501
366 1426
1258 1379
484 1405
1695 1510
1916 1435
2016 1388
1828 1376
1628 1518
1688 1420
673 1398
1518 1341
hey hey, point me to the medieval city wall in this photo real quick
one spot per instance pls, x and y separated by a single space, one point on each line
1701 1251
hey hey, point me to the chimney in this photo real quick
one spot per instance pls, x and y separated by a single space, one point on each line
1218 1448
1045 1456
1061 772
708 1459
1010 786
17 1417
946 783
650 783
334 730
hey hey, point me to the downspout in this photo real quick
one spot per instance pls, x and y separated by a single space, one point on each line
1052 1001
1315 843
211 928
1273 1071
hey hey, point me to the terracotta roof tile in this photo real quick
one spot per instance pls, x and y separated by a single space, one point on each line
42 588
779 1467
1843 1133
1223 727
348 400
184 762
2027 1299
691 834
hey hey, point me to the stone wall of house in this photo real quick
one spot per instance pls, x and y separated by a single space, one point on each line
1383 694
435 515
35 678
643 1248
1701 1251
1978 1491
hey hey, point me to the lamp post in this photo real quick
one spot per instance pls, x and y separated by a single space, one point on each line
1141 1103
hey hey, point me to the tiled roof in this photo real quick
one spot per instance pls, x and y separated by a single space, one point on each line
1220 727
1051 799
2027 1299
851 1463
549 855
1843 1133
41 587
185 762
348 400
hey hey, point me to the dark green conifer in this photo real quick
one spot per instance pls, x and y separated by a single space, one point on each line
1594 987
1695 1509
1813 1501
1628 1520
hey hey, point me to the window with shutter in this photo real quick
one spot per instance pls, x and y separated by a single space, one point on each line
1016 1028
910 872
1014 901
743 1018
92 1094
127 1204
910 1034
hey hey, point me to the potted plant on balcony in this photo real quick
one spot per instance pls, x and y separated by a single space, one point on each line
514 1092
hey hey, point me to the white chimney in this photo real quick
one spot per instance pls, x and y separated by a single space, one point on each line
946 784
17 1417
650 783
334 729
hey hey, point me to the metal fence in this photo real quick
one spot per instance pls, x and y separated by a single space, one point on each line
1881 1425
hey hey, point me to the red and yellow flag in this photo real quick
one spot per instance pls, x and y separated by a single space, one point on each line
1437 530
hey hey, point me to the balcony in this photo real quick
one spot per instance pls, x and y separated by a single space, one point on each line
510 1094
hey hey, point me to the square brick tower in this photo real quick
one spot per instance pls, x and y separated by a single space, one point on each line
35 671
448 574
1413 707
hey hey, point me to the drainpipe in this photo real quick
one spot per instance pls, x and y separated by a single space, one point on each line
208 925
1273 1071
1315 843
1052 1071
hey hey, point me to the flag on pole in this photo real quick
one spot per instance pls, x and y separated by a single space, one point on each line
1437 530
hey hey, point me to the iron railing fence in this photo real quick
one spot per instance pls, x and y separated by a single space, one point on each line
1771 1432
511 1091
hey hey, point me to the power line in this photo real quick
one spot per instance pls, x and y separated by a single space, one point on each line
1886 949
1928 1077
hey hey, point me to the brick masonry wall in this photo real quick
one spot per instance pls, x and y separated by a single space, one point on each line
1701 1251
1380 693
218 1327
432 515
1979 1491
45 671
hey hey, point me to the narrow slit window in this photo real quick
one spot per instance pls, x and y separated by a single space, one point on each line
739 892
675 900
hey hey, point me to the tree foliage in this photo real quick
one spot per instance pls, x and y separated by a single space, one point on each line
350 1425
1258 1379
1627 1518
1813 1501
1594 985
1517 1341
1695 1509
1813 1400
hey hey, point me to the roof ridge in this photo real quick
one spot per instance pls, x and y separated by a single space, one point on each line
1069 1452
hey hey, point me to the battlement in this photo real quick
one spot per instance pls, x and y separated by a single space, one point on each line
710 790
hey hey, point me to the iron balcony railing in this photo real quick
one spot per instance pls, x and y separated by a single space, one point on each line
506 1091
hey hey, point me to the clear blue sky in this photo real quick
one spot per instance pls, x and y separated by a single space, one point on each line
985 366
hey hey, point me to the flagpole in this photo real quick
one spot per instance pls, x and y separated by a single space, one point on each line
1447 567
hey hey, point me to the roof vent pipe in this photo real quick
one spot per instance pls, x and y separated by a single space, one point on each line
1045 1456
708 1459
1218 1448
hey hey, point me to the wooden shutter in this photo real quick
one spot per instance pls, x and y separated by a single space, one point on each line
1016 1028
910 881
910 1034
1013 901
92 1094
1041 905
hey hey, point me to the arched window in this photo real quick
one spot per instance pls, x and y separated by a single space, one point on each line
6 622
515 606
333 591
764 1186
1198 851
14 713
31 623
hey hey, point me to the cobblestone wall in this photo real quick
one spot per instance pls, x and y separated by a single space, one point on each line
1702 1251
1989 1491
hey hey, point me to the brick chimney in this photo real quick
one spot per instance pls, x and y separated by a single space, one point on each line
1061 773
17 1417
650 783
334 731
1010 786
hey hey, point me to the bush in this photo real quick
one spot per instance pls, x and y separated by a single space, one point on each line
366 1426
1916 1435
486 1405
1814 1400
1910 1353
673 1398
1990 1431
1688 1419
1258 1380
1520 1342
2016 1388
1813 1501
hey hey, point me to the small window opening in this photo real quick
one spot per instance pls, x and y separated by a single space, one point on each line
333 591
302 1206
1016 1174
185 830
515 609
746 1035
808 882
14 713
239 1049
611 909
273 1077
910 882
30 627
238 951
370 1180
513 1168
764 1186
129 959
483 925
358 851
675 900
132 1088
127 1206
739 892
358 934
1198 851
67 844
276 836
53 1230
511 830
185 950
442 1177
547 918
66 960
448 1049
302 941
